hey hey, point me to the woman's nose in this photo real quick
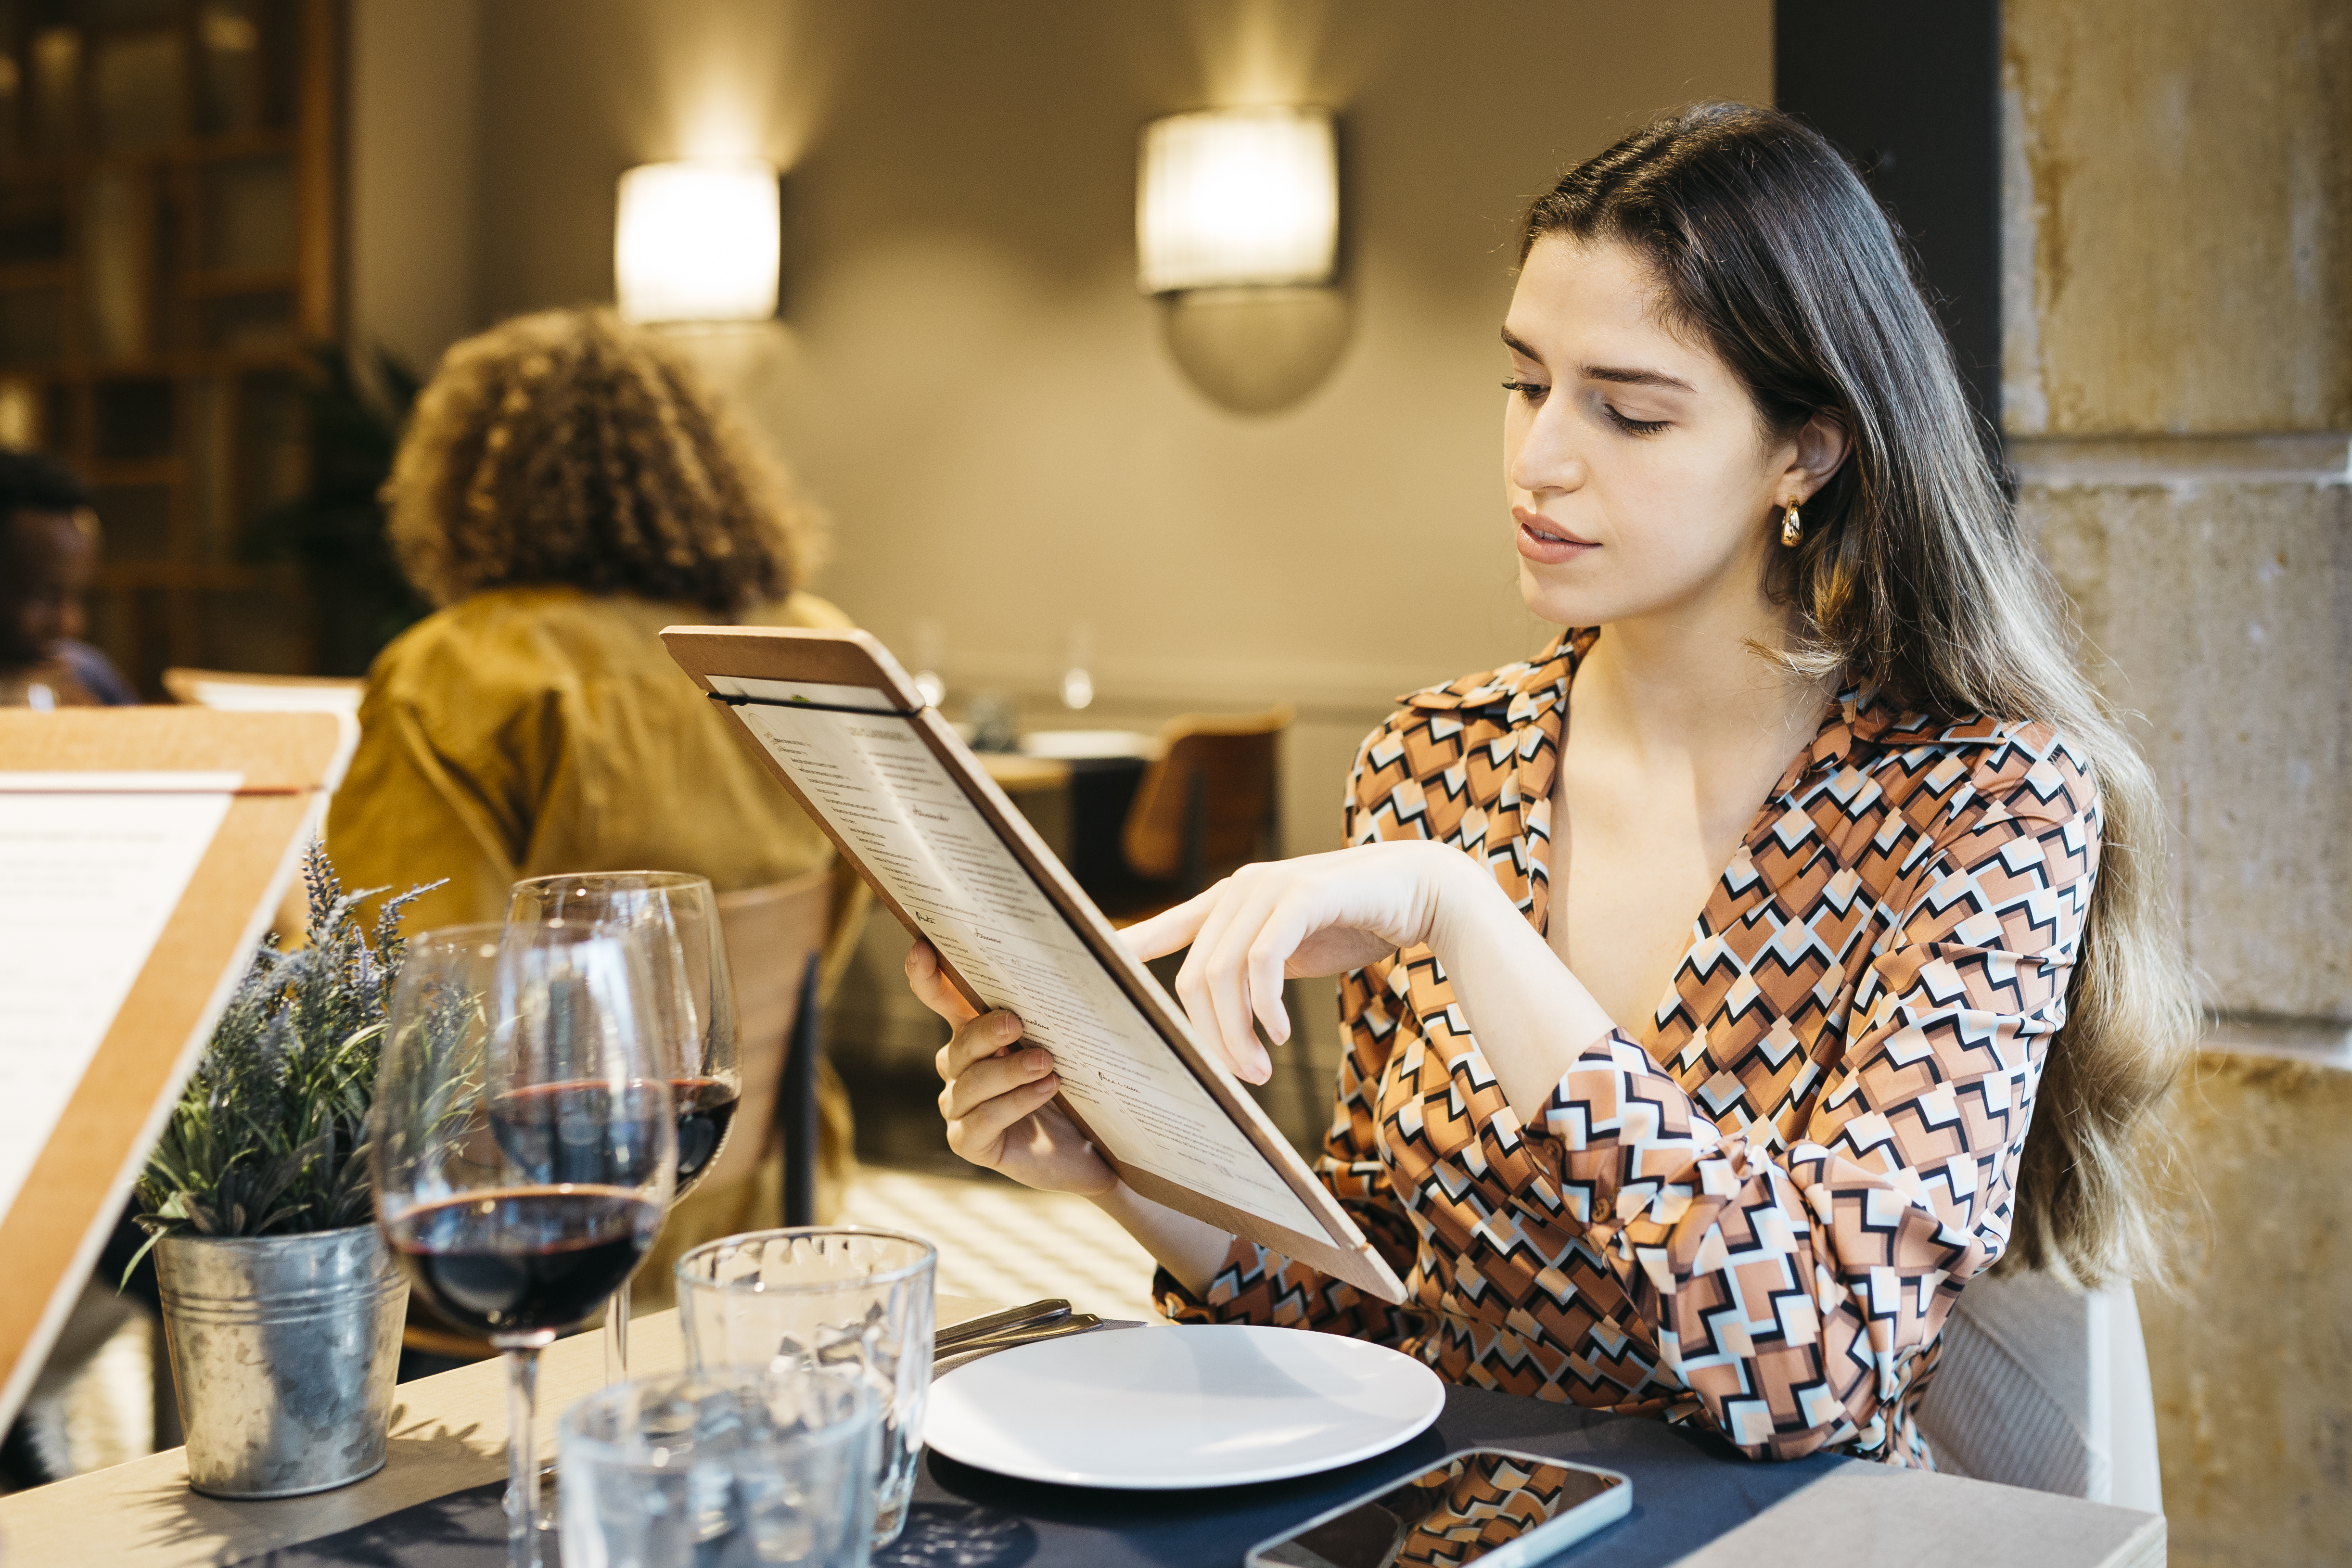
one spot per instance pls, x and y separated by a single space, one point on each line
1545 457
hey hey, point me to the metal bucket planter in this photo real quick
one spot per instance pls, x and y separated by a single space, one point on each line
284 1350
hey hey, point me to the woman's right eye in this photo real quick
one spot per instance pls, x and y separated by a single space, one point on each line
1530 390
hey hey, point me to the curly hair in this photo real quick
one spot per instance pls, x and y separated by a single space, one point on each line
567 447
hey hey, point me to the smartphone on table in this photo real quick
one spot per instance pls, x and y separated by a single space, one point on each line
1488 1506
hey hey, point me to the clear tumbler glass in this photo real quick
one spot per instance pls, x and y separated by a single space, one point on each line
735 1466
835 1299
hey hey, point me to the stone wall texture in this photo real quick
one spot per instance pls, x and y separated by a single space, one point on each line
2178 180
2251 1355
2177 263
2220 611
2176 383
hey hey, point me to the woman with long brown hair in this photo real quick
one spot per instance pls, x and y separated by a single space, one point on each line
1782 948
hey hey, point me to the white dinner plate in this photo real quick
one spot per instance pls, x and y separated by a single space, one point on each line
1160 1409
1081 745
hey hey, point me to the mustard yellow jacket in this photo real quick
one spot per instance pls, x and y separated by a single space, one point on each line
528 731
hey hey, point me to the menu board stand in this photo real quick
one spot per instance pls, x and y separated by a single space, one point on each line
260 776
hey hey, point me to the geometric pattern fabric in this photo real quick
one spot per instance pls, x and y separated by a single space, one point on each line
1755 1218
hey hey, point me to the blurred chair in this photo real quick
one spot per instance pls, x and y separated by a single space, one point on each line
2045 1386
775 935
767 1174
1206 805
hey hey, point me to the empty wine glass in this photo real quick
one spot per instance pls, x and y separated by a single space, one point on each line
675 918
524 1146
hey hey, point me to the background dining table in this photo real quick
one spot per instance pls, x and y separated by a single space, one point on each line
435 1504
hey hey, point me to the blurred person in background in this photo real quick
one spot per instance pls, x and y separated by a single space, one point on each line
48 551
566 488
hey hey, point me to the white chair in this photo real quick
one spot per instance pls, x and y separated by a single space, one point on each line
2047 1387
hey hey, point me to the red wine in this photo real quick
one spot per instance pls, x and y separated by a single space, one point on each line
706 1109
557 1132
524 1259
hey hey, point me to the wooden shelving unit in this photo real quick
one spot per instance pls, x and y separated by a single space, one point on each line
169 228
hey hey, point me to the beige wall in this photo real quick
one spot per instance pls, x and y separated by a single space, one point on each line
413 111
966 377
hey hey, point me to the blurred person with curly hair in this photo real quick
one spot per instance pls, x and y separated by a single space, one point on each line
567 487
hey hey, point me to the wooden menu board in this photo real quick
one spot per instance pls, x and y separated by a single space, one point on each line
834 716
143 851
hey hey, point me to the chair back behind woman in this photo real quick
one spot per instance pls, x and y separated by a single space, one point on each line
2046 1388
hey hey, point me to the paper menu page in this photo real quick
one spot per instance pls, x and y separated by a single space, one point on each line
883 791
92 867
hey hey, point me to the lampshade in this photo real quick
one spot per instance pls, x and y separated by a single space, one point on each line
697 242
1237 198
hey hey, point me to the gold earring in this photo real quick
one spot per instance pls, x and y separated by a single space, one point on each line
1793 527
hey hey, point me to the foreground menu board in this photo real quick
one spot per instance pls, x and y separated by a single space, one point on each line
143 851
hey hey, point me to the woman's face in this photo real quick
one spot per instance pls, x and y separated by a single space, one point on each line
1641 480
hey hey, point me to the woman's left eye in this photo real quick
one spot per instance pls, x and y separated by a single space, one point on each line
1633 426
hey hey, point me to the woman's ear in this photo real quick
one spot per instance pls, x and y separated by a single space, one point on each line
1821 450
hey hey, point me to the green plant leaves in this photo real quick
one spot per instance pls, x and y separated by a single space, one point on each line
270 1138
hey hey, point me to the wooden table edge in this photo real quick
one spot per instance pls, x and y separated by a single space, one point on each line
448 1436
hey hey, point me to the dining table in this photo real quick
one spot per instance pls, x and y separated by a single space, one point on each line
437 1502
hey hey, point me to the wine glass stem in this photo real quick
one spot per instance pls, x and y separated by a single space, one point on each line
616 1336
522 1458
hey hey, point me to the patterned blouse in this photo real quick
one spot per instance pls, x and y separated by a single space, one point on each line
1756 1218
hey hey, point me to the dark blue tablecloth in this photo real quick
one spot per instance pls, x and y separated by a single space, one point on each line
1687 1489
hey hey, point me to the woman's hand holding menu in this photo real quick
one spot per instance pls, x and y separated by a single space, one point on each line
999 1098
999 1106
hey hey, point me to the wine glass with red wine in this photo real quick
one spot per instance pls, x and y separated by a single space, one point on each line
675 918
524 1145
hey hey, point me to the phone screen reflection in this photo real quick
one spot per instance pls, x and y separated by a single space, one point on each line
1442 1518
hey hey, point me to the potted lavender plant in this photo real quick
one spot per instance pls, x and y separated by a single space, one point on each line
282 1310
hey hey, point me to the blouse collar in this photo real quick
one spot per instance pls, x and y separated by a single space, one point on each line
1533 700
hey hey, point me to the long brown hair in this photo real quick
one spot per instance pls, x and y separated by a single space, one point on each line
569 447
1912 580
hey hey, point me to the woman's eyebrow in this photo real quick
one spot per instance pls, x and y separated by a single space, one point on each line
1618 375
1633 378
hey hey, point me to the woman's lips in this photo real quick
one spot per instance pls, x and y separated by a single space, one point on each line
1541 540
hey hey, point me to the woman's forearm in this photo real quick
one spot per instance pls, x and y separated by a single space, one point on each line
1192 1249
1530 1013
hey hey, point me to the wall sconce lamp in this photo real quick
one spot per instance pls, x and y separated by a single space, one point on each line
1238 232
698 241
1238 198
